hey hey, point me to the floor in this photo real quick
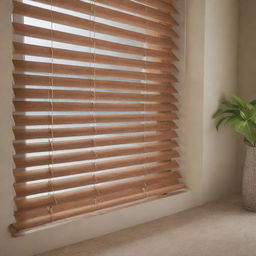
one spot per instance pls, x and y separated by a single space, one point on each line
215 229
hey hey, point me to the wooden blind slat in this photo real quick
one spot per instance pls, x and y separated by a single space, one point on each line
77 211
26 161
64 37
117 16
170 1
42 67
22 134
23 147
137 8
105 188
152 184
44 173
160 5
39 51
106 192
85 107
68 20
49 81
23 189
25 93
21 120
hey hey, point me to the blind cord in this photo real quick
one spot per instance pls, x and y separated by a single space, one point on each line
51 96
145 188
92 36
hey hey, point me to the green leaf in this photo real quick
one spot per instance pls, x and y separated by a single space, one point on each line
218 113
228 104
221 121
240 115
253 118
243 115
232 111
250 106
239 101
253 102
246 128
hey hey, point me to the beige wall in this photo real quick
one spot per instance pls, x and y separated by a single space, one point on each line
247 49
247 58
208 160
191 98
220 79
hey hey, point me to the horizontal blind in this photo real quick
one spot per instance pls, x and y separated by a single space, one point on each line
95 107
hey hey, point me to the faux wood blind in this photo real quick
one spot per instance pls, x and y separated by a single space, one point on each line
95 107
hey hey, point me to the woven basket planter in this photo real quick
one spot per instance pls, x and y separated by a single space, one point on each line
249 180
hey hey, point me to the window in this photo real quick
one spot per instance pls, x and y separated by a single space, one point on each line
94 107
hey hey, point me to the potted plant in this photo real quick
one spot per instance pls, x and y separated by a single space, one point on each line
242 117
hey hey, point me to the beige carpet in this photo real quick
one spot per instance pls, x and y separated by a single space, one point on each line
217 229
